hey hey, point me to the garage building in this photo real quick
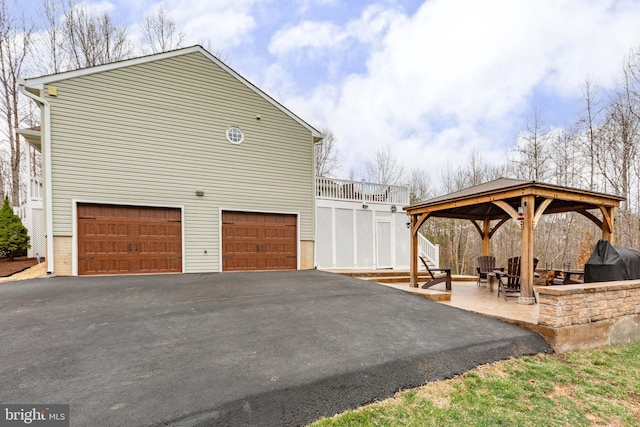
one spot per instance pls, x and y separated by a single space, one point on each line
171 163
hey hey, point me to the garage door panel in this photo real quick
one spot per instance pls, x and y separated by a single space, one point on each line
175 230
174 248
108 266
156 247
277 262
134 265
86 248
243 263
128 239
258 241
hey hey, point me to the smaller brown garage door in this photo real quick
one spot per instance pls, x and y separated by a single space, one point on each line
259 241
129 239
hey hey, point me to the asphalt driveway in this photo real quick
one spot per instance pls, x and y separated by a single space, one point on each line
272 349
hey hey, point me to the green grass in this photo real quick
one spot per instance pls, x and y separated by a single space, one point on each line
580 388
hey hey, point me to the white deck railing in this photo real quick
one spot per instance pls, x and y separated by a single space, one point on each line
360 191
428 250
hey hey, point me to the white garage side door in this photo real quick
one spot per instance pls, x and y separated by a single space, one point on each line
383 244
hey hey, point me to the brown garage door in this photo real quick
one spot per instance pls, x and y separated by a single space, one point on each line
258 241
129 239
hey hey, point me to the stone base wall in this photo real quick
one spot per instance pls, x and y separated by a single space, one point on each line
62 255
306 254
590 315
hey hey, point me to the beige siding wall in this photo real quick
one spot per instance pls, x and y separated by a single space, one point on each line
154 133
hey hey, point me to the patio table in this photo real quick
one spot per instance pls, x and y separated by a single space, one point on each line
492 280
566 277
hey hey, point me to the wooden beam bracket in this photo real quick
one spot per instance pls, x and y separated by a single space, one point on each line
606 218
498 225
473 221
591 216
418 223
543 206
508 209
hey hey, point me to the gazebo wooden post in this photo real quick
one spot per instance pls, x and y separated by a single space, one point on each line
607 224
526 256
414 253
486 237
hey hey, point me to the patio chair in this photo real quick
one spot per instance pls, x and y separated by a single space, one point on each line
486 264
509 282
444 276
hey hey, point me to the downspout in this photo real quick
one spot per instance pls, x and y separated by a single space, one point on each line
46 153
315 208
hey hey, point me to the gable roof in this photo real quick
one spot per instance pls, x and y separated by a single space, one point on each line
479 202
40 82
487 187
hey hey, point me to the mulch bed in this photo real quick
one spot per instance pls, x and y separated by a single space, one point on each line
8 267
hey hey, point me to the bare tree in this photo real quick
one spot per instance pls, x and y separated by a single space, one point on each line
451 179
631 71
326 154
420 186
531 154
160 33
351 175
621 139
49 46
206 43
478 171
384 168
564 165
93 39
590 126
15 44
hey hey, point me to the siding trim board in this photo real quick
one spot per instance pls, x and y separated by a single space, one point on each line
75 231
226 209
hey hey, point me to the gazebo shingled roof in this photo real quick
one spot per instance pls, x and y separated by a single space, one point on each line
499 200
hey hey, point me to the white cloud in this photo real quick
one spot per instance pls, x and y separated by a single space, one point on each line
459 73
304 35
225 22
328 35
306 5
225 28
99 7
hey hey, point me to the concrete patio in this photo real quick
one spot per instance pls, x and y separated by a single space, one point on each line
568 317
467 295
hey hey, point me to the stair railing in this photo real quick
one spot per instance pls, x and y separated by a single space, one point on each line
428 250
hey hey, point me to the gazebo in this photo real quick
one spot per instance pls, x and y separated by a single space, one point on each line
523 201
